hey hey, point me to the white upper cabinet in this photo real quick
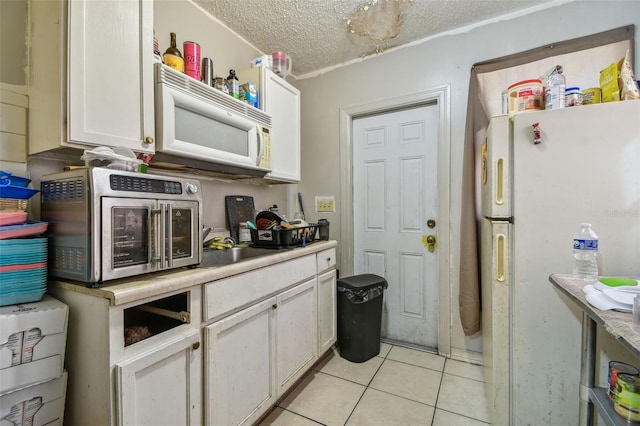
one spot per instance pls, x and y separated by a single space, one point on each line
91 76
281 100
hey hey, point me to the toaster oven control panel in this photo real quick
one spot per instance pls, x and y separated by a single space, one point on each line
143 184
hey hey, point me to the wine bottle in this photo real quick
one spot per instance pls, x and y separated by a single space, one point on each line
172 56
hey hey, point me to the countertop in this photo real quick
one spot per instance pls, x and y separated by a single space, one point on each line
142 286
615 323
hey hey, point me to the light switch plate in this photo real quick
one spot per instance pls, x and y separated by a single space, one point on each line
325 204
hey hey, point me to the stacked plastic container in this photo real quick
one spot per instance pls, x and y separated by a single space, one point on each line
23 253
33 382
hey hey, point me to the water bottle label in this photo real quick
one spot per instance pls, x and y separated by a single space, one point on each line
585 244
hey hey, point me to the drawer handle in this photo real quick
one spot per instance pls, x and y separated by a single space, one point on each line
328 260
196 346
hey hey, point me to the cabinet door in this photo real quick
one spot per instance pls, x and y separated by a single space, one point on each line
282 102
327 311
110 73
162 387
239 385
296 333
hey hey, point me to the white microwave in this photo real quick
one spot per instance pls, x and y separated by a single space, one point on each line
200 127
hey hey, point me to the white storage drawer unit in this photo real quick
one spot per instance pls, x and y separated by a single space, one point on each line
231 294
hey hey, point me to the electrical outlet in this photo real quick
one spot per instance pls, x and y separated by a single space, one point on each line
325 204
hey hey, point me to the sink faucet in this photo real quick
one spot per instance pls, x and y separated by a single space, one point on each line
205 231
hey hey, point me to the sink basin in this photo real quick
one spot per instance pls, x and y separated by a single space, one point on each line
212 257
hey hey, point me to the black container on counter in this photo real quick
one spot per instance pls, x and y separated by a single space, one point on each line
323 229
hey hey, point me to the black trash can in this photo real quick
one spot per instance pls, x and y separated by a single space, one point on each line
360 316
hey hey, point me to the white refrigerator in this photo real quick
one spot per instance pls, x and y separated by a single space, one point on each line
585 168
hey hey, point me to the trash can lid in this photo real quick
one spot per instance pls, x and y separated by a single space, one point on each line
362 281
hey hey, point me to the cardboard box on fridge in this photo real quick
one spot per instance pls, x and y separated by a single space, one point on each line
32 343
41 404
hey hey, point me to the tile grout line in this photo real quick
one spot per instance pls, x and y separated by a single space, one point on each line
384 358
435 407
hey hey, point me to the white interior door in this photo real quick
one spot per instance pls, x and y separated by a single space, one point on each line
394 197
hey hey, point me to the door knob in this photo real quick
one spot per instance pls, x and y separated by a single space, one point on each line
430 242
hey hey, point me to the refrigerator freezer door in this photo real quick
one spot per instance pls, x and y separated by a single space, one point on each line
496 170
496 347
585 169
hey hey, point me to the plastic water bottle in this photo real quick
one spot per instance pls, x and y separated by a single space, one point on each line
555 89
585 254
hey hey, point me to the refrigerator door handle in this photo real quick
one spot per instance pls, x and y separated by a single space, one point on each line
500 182
501 258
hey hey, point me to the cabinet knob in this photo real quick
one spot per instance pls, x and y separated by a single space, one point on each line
196 346
274 306
148 140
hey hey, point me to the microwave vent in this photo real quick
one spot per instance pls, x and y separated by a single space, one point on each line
63 190
183 82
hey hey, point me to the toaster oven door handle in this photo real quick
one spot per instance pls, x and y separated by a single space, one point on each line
156 238
169 234
162 236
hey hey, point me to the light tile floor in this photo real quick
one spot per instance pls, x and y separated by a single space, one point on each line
400 386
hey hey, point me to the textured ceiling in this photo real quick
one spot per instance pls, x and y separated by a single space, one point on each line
319 34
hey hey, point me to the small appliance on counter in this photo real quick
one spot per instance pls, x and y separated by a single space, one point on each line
106 224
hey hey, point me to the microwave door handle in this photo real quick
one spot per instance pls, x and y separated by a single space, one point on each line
169 230
260 145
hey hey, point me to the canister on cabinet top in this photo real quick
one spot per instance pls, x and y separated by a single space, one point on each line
207 71
191 59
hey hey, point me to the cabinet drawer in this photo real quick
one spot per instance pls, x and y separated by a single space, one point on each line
326 259
230 294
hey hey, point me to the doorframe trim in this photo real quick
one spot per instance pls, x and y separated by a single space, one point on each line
441 95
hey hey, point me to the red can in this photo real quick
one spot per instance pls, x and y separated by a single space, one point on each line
192 59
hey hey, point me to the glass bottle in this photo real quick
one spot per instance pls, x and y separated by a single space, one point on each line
172 56
233 84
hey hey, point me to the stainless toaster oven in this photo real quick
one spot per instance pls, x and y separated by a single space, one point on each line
106 224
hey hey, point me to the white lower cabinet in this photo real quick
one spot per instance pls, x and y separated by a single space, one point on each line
262 330
327 311
296 344
327 301
239 383
155 381
253 356
171 374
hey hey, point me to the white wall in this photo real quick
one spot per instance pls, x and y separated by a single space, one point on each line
443 60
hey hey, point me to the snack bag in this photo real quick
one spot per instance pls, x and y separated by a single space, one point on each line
609 83
627 81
